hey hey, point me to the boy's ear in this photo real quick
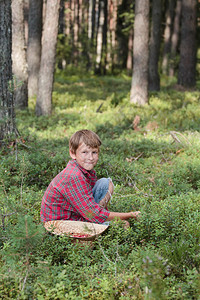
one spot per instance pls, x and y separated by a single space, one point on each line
72 154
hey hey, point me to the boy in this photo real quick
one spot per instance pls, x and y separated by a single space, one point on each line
75 193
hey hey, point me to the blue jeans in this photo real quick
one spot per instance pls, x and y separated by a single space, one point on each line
100 190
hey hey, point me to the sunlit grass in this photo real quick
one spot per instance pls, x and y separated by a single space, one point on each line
154 164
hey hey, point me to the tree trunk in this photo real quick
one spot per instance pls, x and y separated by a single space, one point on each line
175 38
139 87
26 13
91 2
71 21
67 18
122 38
112 21
91 32
46 74
105 29
129 64
154 50
61 62
76 30
34 44
187 65
93 19
167 35
97 19
7 116
100 37
19 55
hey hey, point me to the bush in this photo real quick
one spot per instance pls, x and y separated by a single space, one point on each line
155 168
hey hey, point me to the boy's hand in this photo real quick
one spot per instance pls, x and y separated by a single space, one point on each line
135 214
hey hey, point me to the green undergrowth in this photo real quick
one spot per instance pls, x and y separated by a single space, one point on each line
152 155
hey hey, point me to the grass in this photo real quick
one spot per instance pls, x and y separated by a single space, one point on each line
155 168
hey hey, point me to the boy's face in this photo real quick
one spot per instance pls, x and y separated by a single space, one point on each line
85 156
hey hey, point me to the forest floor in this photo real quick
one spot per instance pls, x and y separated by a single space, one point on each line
152 155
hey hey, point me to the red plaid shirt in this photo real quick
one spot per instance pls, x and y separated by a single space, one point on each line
69 197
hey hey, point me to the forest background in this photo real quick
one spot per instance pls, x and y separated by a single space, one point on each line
129 70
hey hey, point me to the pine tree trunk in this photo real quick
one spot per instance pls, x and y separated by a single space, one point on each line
71 21
154 50
76 29
187 65
26 13
139 87
100 37
7 116
129 64
19 55
105 29
91 31
93 19
113 33
46 74
34 44
175 38
67 18
90 19
167 35
109 33
122 38
61 31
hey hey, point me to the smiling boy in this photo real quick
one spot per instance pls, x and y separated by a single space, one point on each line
75 193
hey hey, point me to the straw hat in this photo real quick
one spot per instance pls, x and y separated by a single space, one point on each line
76 229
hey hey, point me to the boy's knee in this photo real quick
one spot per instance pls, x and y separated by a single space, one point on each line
103 180
103 183
107 183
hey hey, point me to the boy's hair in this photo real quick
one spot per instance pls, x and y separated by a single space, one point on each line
88 137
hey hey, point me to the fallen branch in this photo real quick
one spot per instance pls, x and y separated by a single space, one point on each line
176 139
134 158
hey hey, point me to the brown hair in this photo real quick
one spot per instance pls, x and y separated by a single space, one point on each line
88 137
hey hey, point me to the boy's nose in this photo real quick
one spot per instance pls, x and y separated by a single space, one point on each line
90 156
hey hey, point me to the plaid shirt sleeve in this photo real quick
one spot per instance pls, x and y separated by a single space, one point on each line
79 194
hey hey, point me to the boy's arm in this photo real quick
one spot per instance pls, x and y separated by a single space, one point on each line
123 216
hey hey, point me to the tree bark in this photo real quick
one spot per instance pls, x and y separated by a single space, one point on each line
93 19
71 21
7 116
121 36
34 44
154 50
112 22
26 13
139 87
175 38
100 37
76 31
19 55
187 65
46 74
61 32
91 2
167 35
91 32
129 64
105 29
